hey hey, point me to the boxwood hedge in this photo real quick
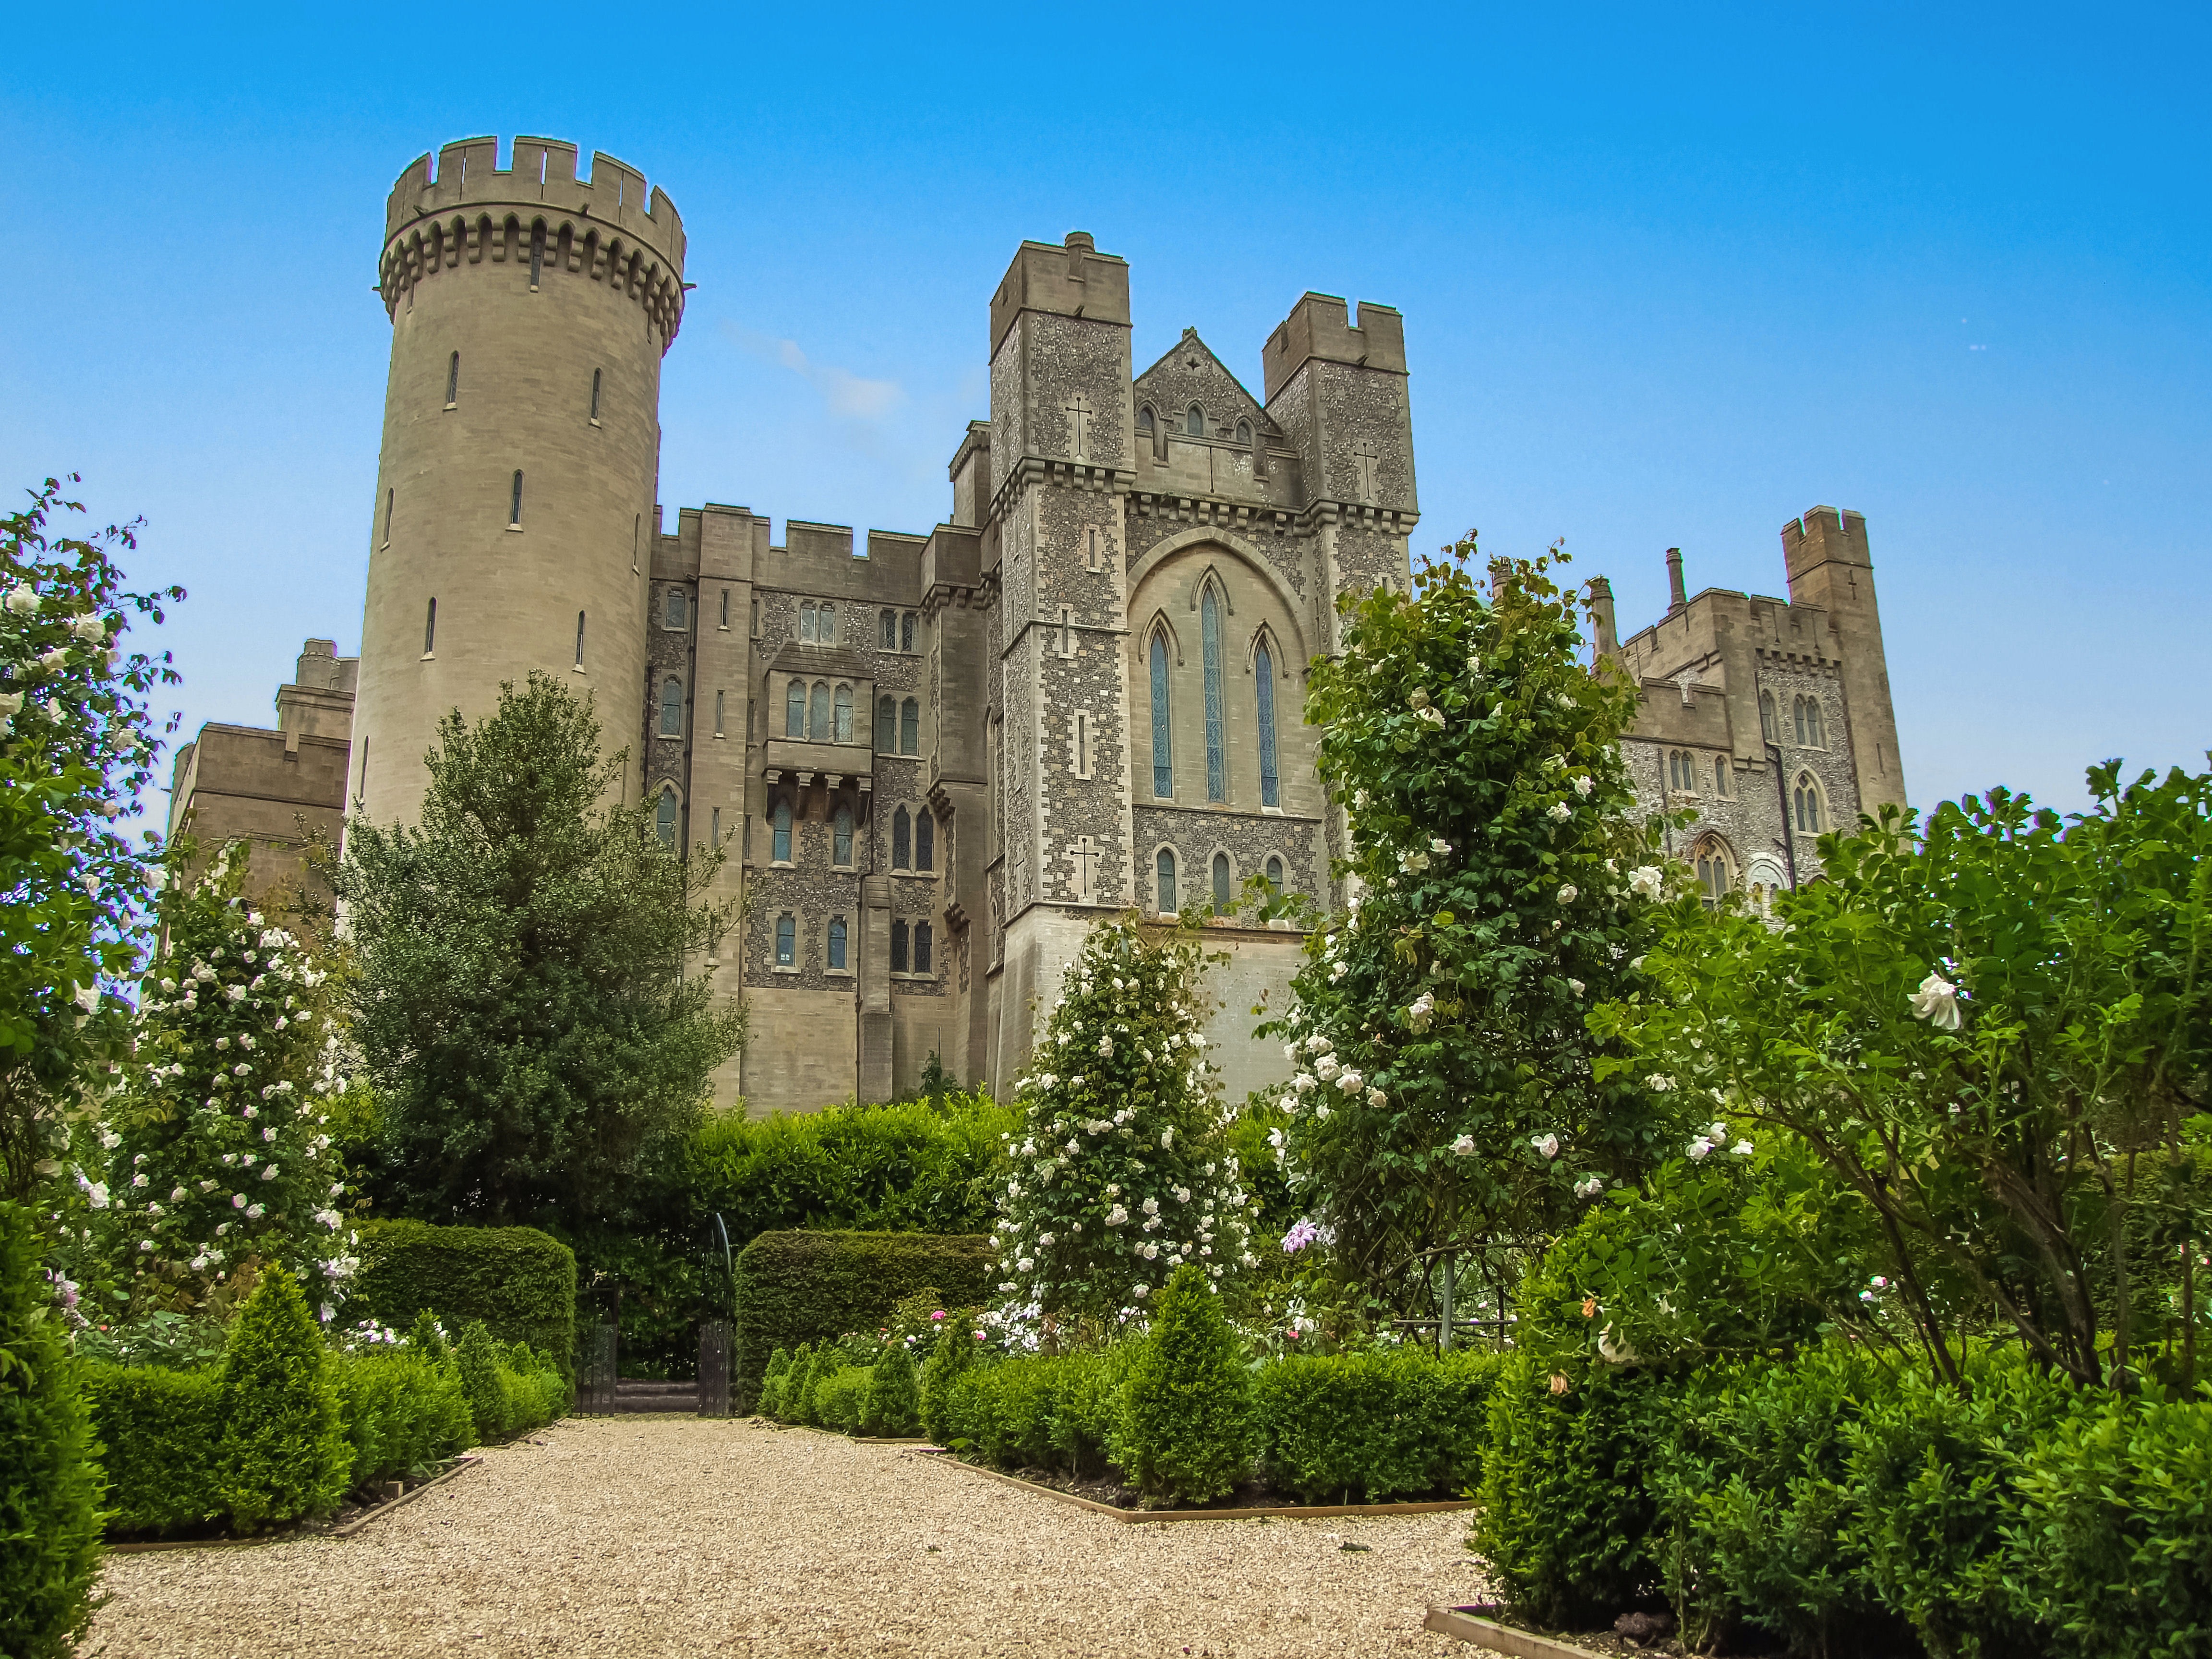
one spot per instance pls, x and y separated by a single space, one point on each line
520 1282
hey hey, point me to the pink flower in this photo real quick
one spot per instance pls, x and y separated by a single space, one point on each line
939 1314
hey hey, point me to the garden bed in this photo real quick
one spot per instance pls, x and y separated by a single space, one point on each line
1250 1501
350 1518
1485 1625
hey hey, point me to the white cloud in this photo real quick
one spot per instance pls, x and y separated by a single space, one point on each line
848 394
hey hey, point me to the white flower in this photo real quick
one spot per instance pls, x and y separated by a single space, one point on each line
1617 1352
1118 1216
89 629
1349 1081
1547 1144
1421 1011
1105 1047
238 1201
1569 893
97 1194
1742 1149
138 1180
87 998
1659 1082
1575 986
23 599
1936 1001
1141 1291
1377 1099
1167 1138
1440 847
1321 1111
51 661
257 1211
1327 1067
1025 1264
1151 1207
1464 1147
1560 812
1589 1187
1434 716
1644 881
1700 1147
1419 701
1275 1139
1473 664
1716 1133
1584 784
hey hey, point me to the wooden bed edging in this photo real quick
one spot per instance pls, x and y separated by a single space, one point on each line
1469 1627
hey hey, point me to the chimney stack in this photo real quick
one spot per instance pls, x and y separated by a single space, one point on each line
1675 601
1600 609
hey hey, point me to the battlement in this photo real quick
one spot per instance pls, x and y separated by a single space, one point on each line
1071 279
1324 326
541 184
1824 535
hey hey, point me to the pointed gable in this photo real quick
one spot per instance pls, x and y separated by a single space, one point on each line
1190 373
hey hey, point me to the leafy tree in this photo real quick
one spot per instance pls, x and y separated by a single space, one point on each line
1122 1169
522 1002
76 750
1445 1099
1996 1031
50 1485
217 1144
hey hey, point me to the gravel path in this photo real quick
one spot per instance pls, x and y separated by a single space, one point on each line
674 1535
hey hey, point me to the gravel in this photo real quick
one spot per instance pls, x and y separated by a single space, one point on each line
676 1536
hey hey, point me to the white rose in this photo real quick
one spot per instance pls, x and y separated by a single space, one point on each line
1936 1001
1644 881
1464 1147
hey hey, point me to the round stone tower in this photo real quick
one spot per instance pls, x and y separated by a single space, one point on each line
515 487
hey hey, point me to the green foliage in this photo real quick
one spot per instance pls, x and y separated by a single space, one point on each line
1446 1096
50 1485
284 1452
1565 1521
1057 1412
426 1337
1994 1028
840 1399
404 1414
796 1287
1122 1169
521 1283
780 1398
893 1406
951 1355
159 1431
220 1156
521 1003
508 1388
76 753
1186 1428
476 1362
1369 1428
2113 1556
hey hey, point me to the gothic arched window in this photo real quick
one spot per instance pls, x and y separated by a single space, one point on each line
817 714
514 500
898 947
1720 775
842 727
675 616
902 835
786 940
1275 876
1194 422
837 943
1263 675
1162 736
794 711
1221 883
924 840
921 942
1767 728
806 620
1144 416
886 723
1806 798
825 624
664 820
910 727
1209 634
780 842
1807 712
906 632
1165 866
1716 869
841 838
1244 433
671 707
887 630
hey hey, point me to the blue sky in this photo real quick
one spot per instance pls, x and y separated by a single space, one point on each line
1669 277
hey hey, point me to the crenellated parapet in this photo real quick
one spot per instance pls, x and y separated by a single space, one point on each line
608 228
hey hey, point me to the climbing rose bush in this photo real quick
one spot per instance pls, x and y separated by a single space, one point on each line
1121 1170
1501 885
218 1144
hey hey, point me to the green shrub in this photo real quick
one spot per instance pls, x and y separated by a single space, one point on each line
893 1405
953 1354
1187 1402
50 1486
426 1337
403 1413
476 1359
839 1398
159 1431
1565 1523
2112 1554
811 1287
283 1451
1367 1428
518 1281
1037 1411
794 1404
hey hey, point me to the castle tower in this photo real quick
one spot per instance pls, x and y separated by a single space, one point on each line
530 312
1061 461
1829 566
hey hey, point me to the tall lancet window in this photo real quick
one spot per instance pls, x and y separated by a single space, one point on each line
1163 736
1263 672
1217 763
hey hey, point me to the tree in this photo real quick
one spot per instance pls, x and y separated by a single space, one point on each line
76 750
1445 1102
219 1151
1997 1030
1122 1171
522 1003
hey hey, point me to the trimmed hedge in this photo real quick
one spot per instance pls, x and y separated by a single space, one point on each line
816 1286
1035 1411
404 1414
158 1430
1369 1428
518 1281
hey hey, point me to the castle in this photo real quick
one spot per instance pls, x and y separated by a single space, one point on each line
935 759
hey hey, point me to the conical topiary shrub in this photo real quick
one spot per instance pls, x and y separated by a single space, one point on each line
1186 1405
893 1404
50 1487
477 1358
792 1387
778 1363
284 1452
954 1353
